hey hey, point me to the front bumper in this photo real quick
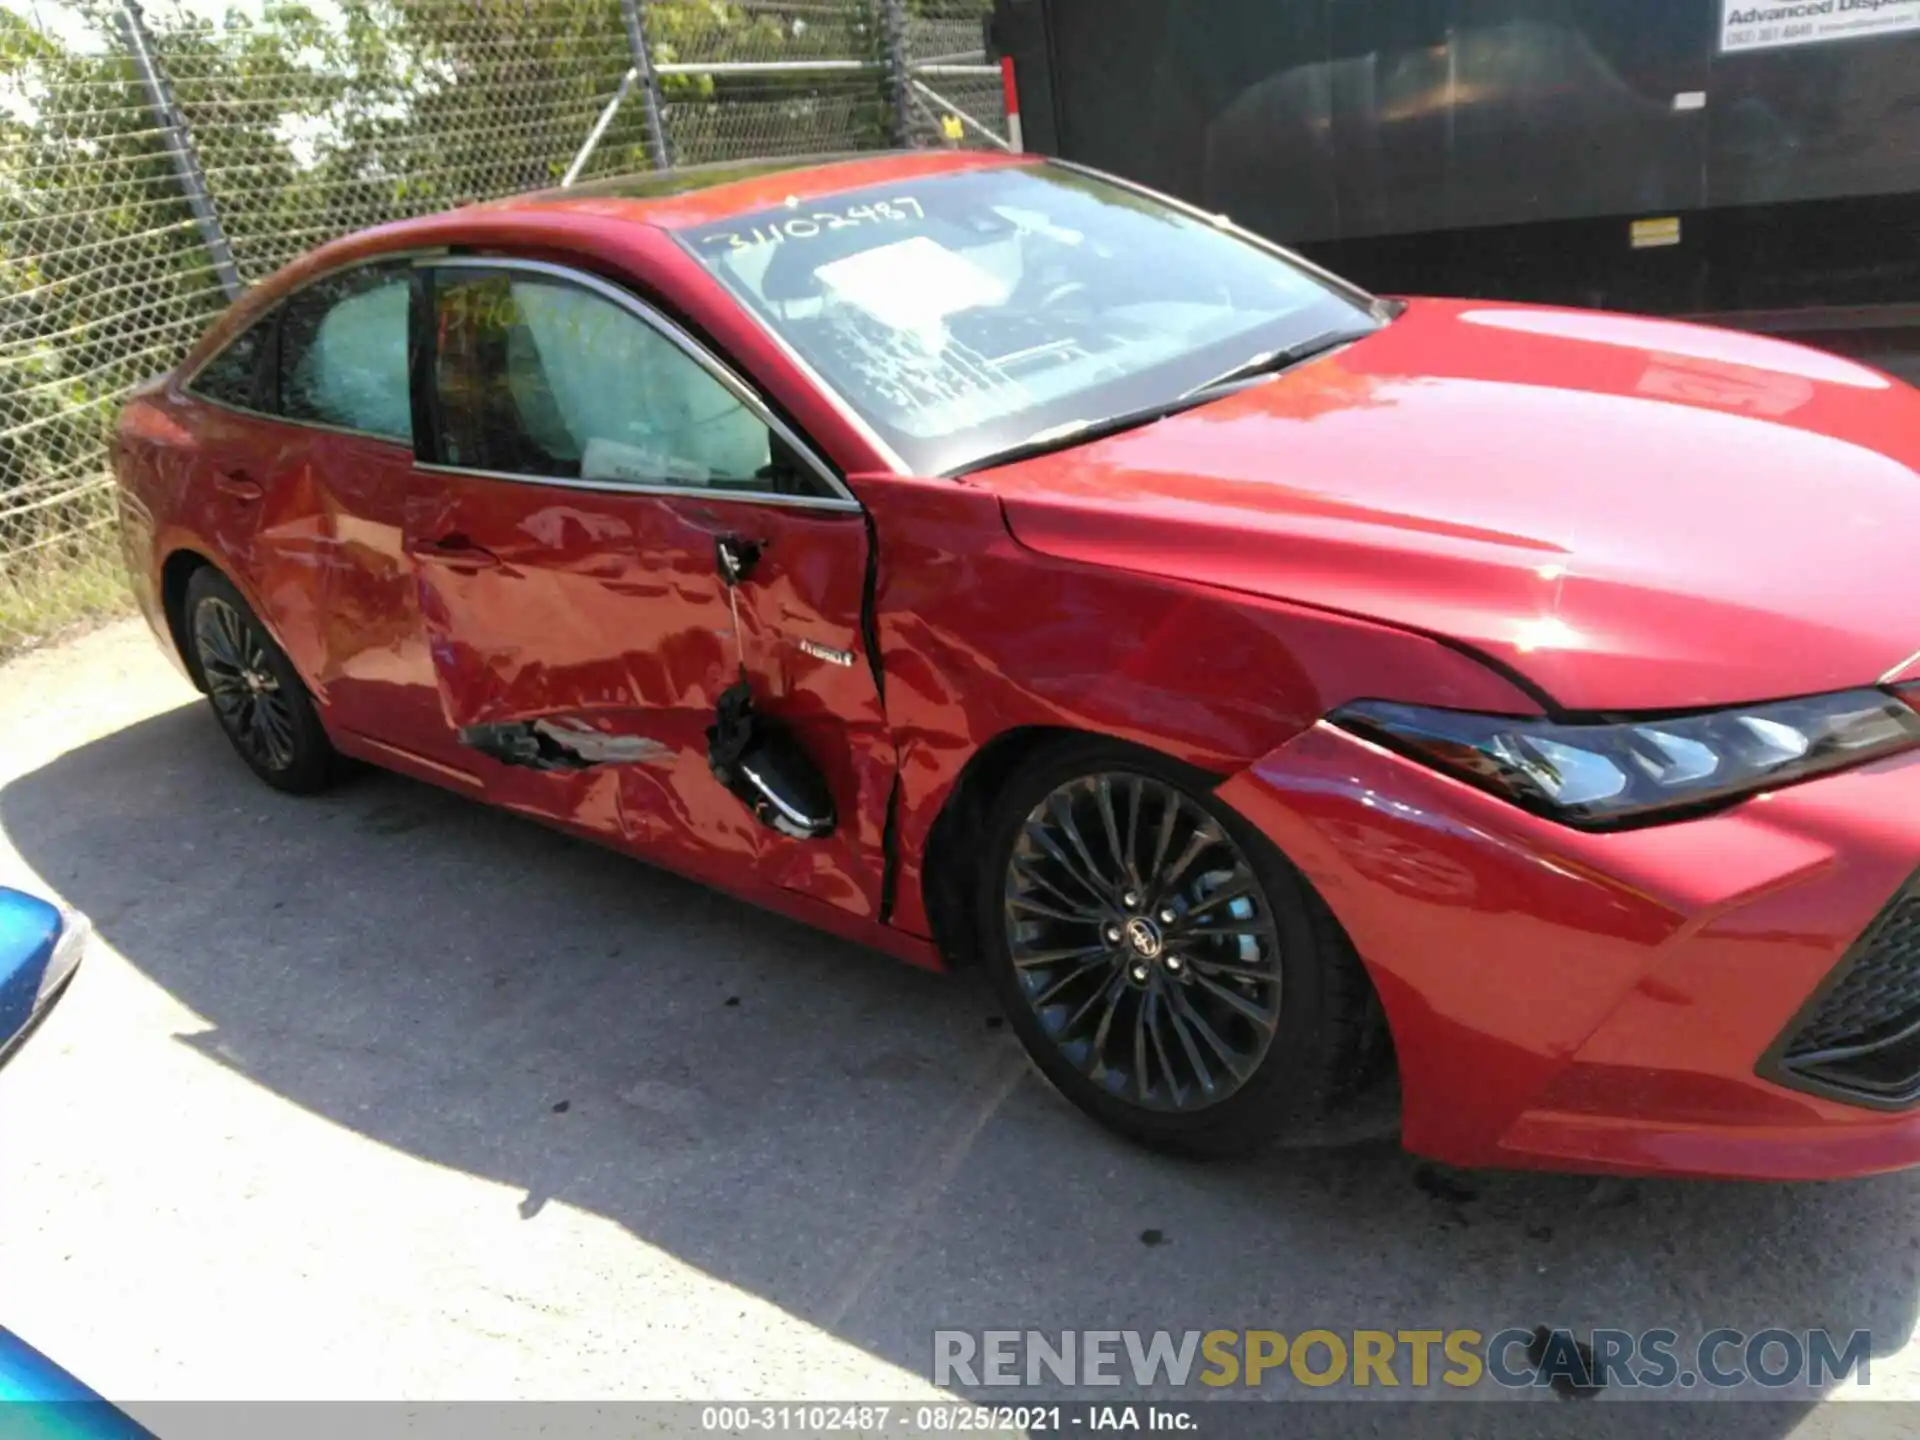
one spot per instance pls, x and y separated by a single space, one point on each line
1611 1002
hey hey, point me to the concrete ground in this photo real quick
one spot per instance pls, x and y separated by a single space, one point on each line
384 1095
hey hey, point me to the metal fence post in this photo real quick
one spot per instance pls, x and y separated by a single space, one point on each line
186 163
657 148
893 28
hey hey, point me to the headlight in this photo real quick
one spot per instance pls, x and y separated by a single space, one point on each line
1596 775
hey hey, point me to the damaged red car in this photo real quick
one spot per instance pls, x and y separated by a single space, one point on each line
1281 691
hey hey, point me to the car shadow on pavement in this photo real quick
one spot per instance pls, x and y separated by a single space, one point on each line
856 1142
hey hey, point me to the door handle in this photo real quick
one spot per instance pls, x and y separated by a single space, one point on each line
457 552
238 485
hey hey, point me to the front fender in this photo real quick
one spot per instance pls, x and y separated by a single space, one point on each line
980 636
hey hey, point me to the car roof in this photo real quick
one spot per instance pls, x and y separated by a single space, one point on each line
593 216
703 194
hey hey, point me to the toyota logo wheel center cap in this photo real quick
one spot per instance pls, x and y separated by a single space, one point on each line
1144 938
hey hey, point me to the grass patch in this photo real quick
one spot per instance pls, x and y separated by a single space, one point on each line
57 587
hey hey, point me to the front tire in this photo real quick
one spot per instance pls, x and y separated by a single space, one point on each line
257 696
1165 967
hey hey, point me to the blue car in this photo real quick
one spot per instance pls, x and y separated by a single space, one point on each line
40 947
40 1400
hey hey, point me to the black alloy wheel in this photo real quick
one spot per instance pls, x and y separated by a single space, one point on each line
256 694
245 693
1163 964
1143 941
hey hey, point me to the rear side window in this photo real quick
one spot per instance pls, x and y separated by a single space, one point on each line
235 375
343 352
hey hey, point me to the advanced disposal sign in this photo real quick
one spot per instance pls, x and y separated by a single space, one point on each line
1770 24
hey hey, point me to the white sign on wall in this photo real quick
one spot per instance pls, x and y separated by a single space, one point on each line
1773 24
1770 24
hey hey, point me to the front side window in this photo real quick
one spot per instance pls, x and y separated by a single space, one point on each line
236 375
343 352
538 376
965 313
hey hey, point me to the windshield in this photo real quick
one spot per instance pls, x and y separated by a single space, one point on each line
966 314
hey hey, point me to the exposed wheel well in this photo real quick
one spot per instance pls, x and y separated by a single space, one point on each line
951 866
174 578
950 869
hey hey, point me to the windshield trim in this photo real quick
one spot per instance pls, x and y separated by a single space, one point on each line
1366 299
1222 221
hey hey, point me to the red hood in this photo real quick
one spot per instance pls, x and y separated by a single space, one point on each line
1634 514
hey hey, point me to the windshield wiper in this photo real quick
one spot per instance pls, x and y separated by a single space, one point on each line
1079 432
1271 362
1074 432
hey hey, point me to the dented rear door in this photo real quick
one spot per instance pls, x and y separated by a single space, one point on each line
572 644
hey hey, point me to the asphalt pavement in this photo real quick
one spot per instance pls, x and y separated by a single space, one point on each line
386 1095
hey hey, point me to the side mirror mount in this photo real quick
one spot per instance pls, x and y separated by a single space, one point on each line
784 473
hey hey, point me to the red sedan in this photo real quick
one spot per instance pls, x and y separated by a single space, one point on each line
1274 687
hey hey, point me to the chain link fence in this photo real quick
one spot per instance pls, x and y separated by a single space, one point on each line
154 160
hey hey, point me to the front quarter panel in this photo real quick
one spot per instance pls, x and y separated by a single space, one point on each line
979 636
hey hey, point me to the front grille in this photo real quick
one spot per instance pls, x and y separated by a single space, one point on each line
1860 1034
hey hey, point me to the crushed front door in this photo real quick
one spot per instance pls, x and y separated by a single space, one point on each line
582 642
588 469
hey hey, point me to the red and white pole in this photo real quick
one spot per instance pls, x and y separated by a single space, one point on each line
1016 142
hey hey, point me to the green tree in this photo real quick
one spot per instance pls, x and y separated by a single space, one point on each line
102 277
311 123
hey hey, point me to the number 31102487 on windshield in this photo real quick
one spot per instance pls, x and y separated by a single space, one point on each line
809 224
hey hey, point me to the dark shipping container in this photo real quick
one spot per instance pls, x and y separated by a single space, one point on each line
1753 161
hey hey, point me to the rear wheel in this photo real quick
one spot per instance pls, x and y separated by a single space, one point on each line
1164 965
256 694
